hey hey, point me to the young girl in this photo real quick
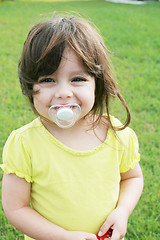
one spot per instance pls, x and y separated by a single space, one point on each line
73 172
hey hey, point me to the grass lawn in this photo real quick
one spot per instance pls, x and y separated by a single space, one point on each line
132 34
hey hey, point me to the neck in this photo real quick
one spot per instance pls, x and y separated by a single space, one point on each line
81 125
80 136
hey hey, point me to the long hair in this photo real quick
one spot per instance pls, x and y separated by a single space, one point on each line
42 54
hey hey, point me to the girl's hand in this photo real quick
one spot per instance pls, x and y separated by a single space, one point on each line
130 191
76 235
117 221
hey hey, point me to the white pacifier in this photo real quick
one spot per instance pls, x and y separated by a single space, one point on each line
64 116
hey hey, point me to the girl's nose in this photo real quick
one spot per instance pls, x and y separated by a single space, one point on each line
63 91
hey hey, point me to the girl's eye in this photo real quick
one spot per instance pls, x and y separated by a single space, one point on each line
79 79
47 80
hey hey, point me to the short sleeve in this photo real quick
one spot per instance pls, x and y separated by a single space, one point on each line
16 157
130 154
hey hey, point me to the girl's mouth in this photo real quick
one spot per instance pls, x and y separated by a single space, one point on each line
64 115
71 106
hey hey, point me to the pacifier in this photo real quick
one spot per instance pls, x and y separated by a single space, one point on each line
64 116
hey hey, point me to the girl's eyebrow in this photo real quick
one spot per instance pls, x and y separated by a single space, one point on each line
42 77
74 73
79 72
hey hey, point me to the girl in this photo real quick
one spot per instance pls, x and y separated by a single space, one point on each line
73 172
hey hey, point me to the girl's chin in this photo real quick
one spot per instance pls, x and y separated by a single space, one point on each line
83 121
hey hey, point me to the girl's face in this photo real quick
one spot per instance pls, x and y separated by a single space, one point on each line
69 84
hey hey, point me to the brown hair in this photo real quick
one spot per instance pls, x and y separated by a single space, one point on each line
43 50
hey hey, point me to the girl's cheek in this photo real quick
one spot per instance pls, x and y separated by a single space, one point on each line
36 87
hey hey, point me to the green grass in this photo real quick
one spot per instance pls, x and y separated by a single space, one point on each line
132 34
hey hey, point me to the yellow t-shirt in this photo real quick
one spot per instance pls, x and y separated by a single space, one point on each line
76 190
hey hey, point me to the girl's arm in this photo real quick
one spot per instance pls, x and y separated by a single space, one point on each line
16 199
131 187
